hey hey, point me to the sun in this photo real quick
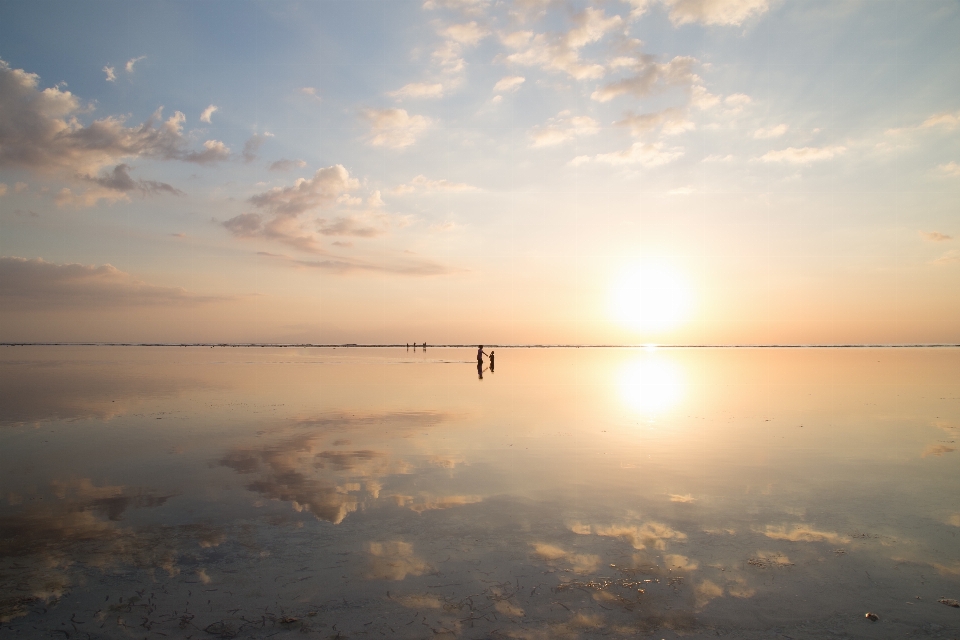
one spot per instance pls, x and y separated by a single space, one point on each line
651 298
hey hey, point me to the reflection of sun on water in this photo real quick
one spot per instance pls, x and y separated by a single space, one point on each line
651 385
651 297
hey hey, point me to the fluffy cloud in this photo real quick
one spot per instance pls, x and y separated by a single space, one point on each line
424 184
803 155
935 236
208 112
561 52
111 73
770 132
562 128
40 130
644 154
419 90
508 83
949 257
35 283
394 128
714 12
649 77
282 208
119 180
131 62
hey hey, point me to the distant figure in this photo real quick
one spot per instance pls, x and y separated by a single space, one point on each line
408 346
491 360
424 346
480 369
480 354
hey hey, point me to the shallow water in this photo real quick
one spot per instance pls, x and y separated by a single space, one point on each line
246 492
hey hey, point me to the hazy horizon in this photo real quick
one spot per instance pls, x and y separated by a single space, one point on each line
537 171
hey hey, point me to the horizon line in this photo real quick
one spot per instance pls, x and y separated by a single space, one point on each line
353 345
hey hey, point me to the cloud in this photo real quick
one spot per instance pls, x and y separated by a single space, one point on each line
131 62
508 83
402 266
718 158
562 128
937 450
561 51
770 132
40 130
650 77
209 111
35 283
948 258
469 33
714 12
944 119
307 193
644 154
803 155
672 120
419 90
422 183
253 144
111 73
394 560
349 226
581 562
119 180
470 7
286 165
951 169
803 533
394 128
935 236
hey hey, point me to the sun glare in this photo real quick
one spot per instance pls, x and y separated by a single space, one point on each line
651 297
651 384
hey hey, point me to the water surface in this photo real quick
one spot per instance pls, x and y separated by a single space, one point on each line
244 492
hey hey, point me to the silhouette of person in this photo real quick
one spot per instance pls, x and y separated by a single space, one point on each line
491 360
480 354
408 346
424 346
480 369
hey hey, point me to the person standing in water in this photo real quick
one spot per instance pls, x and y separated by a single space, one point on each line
491 360
480 354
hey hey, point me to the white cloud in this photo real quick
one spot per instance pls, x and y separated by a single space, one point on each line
422 183
394 128
469 34
803 155
945 119
36 283
283 207
951 169
111 73
644 154
562 128
419 90
718 158
714 12
40 130
561 52
736 102
770 132
650 76
209 111
131 62
703 99
508 83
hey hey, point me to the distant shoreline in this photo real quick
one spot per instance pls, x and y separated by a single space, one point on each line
307 345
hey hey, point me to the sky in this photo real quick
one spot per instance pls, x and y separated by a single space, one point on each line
466 171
